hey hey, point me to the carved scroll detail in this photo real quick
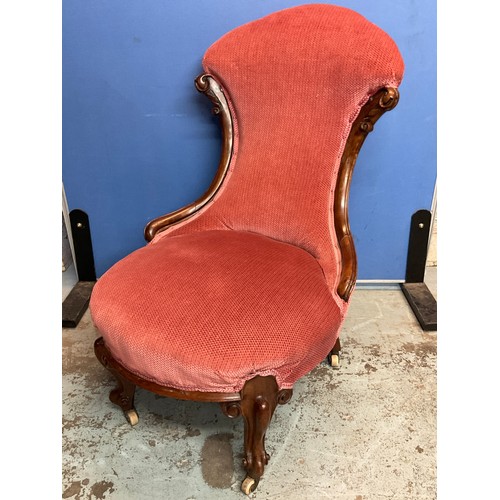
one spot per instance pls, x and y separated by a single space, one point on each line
389 99
377 106
209 86
231 409
284 396
384 100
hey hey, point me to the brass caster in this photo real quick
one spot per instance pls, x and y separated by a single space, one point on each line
132 417
334 361
248 485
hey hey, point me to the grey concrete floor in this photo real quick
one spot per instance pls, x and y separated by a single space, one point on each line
367 431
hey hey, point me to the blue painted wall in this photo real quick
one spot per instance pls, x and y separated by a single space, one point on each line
139 141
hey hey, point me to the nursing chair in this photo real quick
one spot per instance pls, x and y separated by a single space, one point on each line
244 291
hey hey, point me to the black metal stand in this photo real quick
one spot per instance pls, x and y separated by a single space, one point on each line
417 294
77 301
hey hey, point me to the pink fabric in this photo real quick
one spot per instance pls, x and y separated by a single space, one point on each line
207 311
297 80
247 286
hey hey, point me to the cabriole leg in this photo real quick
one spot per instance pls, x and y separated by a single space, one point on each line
123 395
259 398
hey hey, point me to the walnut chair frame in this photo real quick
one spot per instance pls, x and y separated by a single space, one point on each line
258 399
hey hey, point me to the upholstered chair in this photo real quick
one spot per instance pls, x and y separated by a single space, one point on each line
244 291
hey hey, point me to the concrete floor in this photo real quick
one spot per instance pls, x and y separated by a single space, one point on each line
367 431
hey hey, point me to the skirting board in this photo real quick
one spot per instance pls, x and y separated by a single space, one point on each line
378 284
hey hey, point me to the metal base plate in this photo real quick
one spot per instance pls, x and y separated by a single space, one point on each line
423 303
76 303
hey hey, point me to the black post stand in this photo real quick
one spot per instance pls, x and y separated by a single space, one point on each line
77 301
417 294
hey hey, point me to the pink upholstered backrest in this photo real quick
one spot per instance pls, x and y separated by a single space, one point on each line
295 80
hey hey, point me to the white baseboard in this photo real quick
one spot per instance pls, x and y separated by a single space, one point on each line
379 284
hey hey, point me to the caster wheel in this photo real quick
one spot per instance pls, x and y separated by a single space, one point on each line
248 485
334 361
132 417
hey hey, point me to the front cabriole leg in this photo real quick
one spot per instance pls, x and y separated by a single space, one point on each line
259 398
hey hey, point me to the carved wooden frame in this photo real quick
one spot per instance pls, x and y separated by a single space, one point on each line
259 396
209 86
384 100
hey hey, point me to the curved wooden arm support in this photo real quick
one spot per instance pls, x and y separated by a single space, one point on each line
383 100
209 86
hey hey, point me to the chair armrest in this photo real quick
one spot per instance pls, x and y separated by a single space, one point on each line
384 100
209 86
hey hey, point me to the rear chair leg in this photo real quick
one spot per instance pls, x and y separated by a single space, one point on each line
123 395
334 355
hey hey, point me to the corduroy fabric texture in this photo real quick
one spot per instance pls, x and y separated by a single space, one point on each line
247 286
207 311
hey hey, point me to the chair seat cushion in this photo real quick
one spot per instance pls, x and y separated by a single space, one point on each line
206 311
